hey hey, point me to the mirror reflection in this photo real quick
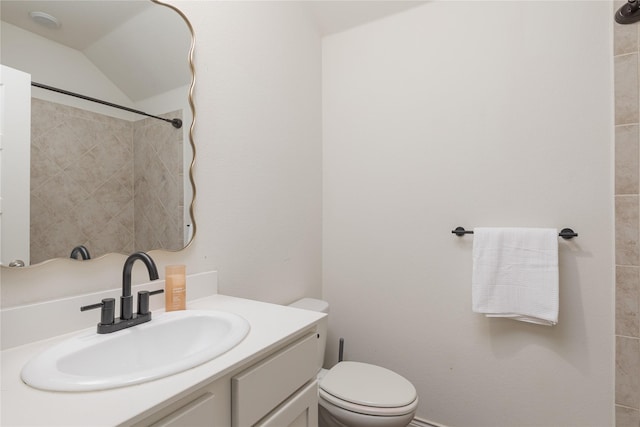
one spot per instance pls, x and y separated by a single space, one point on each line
98 179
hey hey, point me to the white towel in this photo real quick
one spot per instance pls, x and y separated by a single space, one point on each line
515 274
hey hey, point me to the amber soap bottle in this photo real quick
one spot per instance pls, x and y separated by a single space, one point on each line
175 288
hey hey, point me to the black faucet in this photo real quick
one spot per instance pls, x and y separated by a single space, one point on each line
126 300
127 319
80 250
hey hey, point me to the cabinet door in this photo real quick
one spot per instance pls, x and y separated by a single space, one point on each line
256 391
209 406
195 414
300 410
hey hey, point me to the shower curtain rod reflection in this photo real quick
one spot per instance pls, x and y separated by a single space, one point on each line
177 123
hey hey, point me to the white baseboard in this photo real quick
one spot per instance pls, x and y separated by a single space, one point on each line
421 422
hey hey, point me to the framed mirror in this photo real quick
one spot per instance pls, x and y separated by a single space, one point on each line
102 177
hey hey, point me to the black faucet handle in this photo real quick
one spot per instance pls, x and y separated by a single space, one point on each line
143 300
107 314
91 307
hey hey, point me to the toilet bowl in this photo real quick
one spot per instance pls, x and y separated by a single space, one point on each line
356 394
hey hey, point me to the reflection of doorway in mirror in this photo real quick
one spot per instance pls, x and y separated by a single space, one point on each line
84 183
15 90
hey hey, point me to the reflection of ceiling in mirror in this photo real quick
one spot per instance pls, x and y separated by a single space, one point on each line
113 35
82 22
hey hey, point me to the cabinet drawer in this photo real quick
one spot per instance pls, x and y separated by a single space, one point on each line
259 389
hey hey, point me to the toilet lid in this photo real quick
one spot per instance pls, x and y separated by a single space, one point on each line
368 385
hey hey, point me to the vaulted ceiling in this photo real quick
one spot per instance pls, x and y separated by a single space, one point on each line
114 34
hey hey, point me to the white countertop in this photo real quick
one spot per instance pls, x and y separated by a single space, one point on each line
271 325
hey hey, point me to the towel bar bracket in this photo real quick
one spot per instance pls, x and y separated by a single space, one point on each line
565 233
460 231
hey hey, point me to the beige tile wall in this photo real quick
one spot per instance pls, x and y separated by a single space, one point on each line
83 184
158 181
627 205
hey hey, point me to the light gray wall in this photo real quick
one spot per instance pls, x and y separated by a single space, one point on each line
472 114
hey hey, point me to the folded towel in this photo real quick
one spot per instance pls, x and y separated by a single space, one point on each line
515 274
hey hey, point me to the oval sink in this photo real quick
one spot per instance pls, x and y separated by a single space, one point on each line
170 343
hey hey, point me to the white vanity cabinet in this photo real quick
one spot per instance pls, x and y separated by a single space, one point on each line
279 390
267 380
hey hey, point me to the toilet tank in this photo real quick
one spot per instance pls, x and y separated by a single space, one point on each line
322 307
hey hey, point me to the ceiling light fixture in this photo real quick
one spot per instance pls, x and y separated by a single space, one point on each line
45 19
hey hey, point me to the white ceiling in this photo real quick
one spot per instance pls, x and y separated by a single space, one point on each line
111 37
333 16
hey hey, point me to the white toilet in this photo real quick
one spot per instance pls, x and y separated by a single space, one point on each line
354 394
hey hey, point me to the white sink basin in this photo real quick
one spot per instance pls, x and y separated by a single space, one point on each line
170 343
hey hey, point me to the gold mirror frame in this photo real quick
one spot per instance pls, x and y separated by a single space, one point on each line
193 118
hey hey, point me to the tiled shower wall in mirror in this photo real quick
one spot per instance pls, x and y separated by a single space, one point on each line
83 178
158 184
627 189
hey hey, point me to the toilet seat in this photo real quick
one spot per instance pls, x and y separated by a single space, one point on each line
366 410
368 389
